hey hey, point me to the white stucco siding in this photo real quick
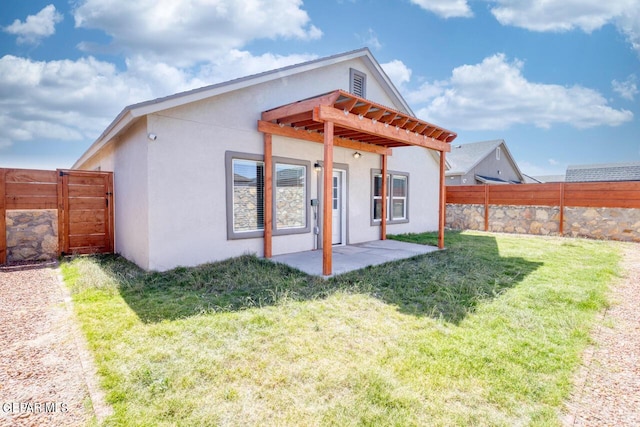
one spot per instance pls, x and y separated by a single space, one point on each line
129 162
424 184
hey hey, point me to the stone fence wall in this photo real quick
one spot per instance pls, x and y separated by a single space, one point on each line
32 235
598 223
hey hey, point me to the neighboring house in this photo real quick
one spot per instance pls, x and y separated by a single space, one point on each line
629 171
486 162
283 161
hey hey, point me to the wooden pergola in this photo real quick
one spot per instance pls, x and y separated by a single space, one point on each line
341 119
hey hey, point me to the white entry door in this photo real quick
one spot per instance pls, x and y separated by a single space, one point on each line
338 210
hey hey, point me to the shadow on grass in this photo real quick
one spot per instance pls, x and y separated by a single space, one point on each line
447 284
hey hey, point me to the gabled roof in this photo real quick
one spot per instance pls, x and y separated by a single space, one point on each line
463 158
628 171
131 113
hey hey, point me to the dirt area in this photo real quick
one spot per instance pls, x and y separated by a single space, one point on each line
607 388
46 375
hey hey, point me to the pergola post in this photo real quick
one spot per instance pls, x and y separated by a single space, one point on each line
268 195
443 202
327 200
384 191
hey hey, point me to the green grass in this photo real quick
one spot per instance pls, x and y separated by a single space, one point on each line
487 332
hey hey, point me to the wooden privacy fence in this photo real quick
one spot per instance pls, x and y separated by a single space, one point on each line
566 194
83 200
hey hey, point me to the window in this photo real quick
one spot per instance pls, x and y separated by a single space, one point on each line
245 177
291 196
396 200
358 83
248 195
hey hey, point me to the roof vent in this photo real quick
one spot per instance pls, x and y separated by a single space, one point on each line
358 83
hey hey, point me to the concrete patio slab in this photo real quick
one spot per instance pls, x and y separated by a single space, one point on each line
354 257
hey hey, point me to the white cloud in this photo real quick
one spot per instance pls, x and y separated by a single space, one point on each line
75 100
553 162
35 27
627 89
565 15
398 72
187 32
237 63
446 8
370 39
495 95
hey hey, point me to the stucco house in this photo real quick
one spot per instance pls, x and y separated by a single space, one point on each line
485 162
284 161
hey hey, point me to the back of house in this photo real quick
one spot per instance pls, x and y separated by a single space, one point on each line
189 170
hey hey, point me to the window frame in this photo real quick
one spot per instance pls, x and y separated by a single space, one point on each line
307 196
390 176
230 156
232 234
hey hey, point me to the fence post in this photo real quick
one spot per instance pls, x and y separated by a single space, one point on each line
3 218
561 228
486 207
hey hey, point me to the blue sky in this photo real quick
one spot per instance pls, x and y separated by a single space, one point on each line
557 80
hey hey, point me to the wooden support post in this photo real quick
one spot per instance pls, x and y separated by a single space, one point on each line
327 200
61 213
3 219
384 193
443 202
63 183
561 225
268 195
111 245
486 207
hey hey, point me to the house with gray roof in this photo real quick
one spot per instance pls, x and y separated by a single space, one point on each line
627 171
485 162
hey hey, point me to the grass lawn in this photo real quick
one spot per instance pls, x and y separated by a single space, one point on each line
487 332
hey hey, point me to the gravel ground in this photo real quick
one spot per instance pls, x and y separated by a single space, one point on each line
46 375
607 388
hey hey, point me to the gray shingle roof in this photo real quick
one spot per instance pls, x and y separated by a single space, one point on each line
463 158
629 171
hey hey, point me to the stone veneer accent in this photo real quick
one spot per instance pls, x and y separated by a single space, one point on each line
32 235
598 223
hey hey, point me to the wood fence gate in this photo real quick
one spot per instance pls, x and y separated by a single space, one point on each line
83 200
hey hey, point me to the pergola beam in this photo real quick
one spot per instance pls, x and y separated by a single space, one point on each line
300 106
325 113
289 132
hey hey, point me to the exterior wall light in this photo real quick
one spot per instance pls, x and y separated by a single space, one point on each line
317 167
356 155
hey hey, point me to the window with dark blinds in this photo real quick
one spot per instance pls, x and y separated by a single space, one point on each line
358 83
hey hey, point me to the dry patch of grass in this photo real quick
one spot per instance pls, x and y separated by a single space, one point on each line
487 332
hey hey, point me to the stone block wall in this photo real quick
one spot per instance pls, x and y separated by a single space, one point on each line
465 217
597 223
32 235
537 220
603 223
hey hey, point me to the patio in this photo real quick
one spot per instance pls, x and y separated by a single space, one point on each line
354 257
